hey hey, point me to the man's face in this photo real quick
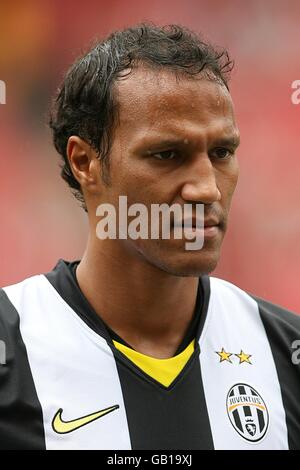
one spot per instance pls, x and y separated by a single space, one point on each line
174 142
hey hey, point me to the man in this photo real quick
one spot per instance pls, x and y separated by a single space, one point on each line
135 346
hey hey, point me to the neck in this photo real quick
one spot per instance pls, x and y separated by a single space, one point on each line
147 307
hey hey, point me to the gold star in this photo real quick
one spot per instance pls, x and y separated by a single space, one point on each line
243 357
224 356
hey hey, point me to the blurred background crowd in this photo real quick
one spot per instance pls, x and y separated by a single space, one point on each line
40 219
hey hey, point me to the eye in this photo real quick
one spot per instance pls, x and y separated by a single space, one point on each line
222 153
165 155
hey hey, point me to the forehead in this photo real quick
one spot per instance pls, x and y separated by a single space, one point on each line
157 101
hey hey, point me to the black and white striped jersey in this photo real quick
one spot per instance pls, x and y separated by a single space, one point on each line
67 383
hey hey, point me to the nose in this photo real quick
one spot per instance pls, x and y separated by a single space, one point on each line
201 185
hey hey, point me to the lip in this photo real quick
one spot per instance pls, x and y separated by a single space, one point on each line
194 223
211 223
210 231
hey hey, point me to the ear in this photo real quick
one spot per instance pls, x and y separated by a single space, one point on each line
84 164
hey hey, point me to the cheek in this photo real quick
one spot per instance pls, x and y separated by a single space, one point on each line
133 186
236 172
228 182
234 175
138 184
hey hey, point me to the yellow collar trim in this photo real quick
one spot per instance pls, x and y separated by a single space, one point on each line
164 371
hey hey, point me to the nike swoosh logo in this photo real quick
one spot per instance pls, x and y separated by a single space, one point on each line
63 427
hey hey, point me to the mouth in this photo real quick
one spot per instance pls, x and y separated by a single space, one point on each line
208 228
193 223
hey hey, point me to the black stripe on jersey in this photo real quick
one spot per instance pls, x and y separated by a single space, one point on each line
282 328
21 418
154 412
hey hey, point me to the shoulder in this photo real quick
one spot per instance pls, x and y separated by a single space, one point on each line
277 313
31 290
21 292
17 299
270 313
11 300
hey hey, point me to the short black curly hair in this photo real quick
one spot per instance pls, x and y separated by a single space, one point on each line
85 104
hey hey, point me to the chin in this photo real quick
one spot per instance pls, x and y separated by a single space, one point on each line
179 262
188 264
193 268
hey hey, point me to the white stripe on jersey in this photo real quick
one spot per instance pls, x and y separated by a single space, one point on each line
233 322
71 364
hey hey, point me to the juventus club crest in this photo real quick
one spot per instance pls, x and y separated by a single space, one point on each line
247 412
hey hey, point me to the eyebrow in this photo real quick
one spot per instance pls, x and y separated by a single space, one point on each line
233 141
230 141
166 142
